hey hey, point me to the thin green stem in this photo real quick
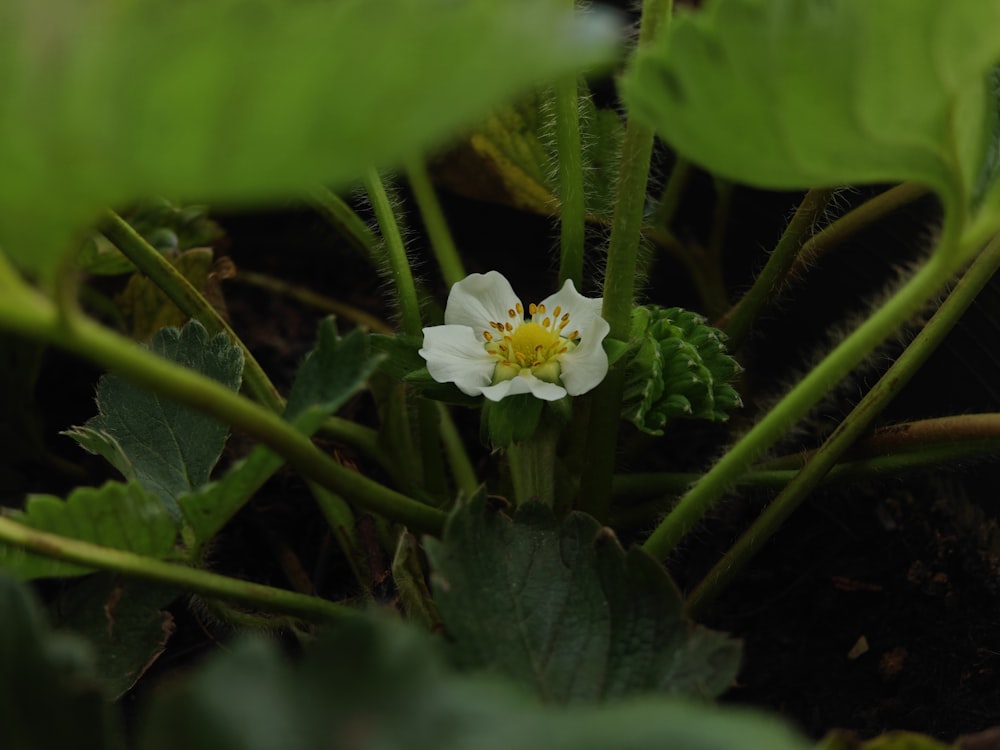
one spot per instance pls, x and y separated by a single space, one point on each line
619 289
399 263
693 505
738 321
670 199
905 366
442 243
853 222
181 292
314 299
458 458
184 578
30 314
572 199
342 217
532 465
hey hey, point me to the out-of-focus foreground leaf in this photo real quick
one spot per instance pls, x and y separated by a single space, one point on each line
48 695
248 100
789 94
381 685
561 609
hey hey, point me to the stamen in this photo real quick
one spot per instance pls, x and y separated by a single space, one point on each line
547 323
555 313
564 322
511 313
508 327
541 309
564 318
532 308
487 335
520 309
574 335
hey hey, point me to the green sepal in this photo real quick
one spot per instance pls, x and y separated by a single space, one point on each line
679 368
511 420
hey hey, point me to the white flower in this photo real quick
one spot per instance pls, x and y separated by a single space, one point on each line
486 345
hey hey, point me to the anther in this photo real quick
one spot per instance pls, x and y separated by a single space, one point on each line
487 335
511 313
555 313
532 308
547 323
519 308
574 335
508 327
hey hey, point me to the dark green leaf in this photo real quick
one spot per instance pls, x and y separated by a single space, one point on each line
560 608
122 516
380 686
248 100
168 448
125 622
791 94
48 695
333 372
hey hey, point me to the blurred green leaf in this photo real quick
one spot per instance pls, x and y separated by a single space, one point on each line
124 620
248 100
122 516
787 94
48 696
332 372
168 448
380 685
561 609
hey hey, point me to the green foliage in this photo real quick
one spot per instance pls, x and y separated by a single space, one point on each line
336 369
45 676
267 98
380 685
121 516
562 610
786 94
123 620
679 369
511 420
169 449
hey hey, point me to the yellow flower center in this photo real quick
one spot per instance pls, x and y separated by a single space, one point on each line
525 346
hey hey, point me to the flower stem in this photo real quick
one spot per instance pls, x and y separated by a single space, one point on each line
442 243
29 313
180 291
572 199
739 320
905 366
619 289
532 465
711 486
399 264
183 577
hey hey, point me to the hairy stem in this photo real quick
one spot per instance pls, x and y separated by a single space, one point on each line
619 288
572 214
435 223
738 321
183 577
711 486
905 366
30 314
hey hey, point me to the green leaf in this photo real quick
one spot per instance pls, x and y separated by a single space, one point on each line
561 609
333 372
169 449
380 685
45 676
125 621
122 516
248 100
791 94
679 369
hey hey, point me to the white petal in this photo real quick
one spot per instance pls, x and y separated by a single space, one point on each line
479 298
586 366
583 311
456 355
524 383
